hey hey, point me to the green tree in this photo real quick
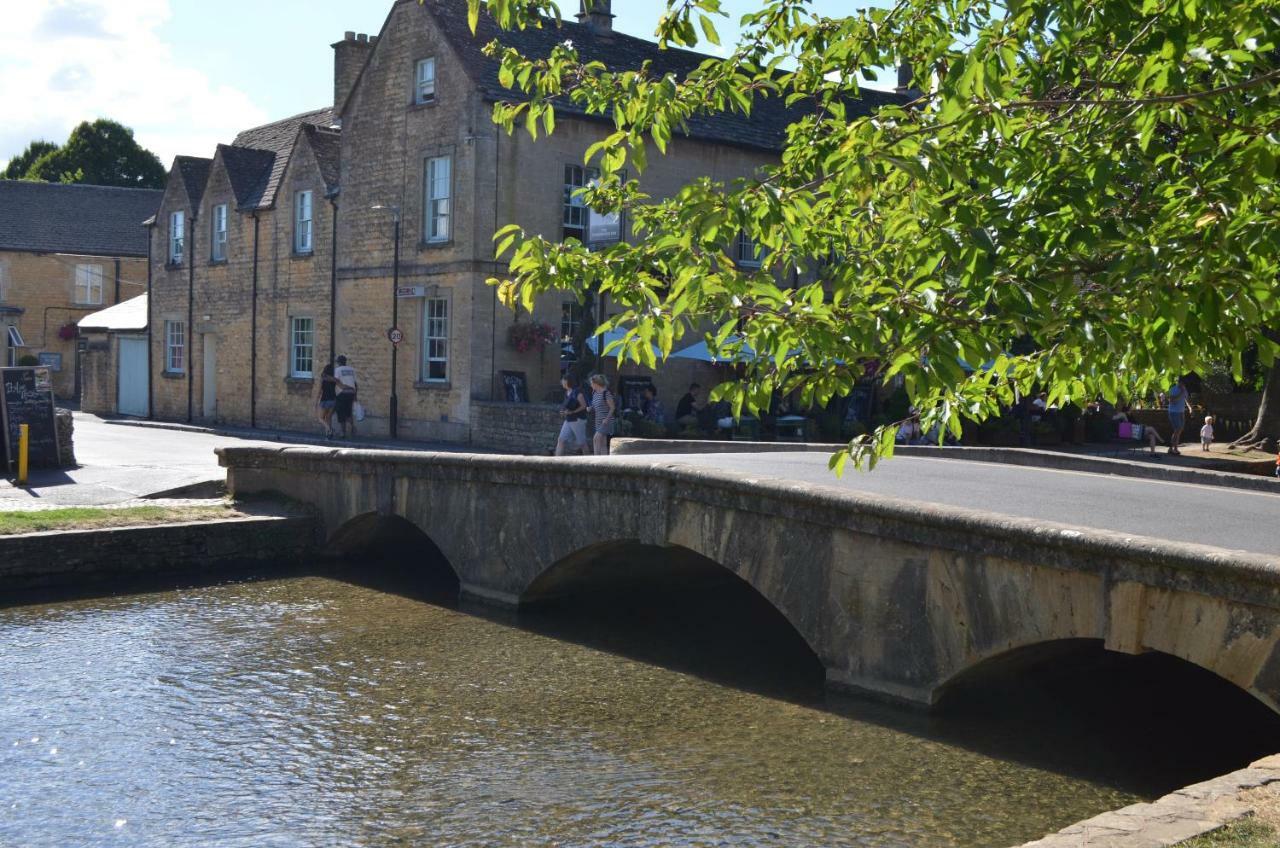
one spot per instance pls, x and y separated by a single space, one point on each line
100 153
18 166
1097 176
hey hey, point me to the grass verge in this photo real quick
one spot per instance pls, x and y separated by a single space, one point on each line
91 518
1246 833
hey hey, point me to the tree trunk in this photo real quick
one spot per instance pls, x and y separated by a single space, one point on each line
1266 430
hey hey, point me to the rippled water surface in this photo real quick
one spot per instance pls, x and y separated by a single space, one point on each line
310 711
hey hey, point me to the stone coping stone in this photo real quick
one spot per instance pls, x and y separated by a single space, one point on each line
1030 457
1185 814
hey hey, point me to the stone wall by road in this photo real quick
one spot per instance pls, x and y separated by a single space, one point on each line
85 557
525 428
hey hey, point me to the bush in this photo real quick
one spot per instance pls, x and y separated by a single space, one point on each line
28 361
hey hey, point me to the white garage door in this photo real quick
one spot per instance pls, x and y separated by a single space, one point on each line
132 385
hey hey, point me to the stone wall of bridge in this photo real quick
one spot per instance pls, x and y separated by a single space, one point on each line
896 598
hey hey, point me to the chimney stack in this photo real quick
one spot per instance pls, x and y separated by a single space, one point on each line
905 80
349 56
597 15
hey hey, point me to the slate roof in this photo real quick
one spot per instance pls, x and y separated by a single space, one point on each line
247 170
764 129
327 145
195 173
128 314
82 219
278 138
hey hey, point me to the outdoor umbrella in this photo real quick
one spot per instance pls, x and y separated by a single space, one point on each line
702 352
609 338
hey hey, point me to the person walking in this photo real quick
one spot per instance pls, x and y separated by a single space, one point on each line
328 399
347 387
604 406
1177 405
574 413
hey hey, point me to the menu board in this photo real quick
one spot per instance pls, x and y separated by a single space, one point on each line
26 397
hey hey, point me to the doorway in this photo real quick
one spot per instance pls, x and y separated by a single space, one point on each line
210 376
131 379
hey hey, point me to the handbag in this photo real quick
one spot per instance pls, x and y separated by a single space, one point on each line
1125 431
357 411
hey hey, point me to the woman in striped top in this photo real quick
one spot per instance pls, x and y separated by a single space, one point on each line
605 408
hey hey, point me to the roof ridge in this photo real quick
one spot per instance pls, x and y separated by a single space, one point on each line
78 185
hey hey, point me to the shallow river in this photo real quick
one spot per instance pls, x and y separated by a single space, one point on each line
308 711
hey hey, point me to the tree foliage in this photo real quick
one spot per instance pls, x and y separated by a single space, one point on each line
100 153
17 167
1097 176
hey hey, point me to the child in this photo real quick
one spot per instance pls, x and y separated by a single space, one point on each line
1206 432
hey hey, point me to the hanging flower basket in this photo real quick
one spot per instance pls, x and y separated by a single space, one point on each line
67 332
525 336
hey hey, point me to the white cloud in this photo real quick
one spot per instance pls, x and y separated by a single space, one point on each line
67 61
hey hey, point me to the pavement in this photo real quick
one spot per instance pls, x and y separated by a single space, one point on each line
123 461
1231 519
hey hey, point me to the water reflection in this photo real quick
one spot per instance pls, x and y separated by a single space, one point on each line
311 710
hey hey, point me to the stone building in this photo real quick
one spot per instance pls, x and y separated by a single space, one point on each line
66 251
280 251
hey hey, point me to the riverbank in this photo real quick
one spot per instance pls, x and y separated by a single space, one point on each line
18 522
105 546
1187 814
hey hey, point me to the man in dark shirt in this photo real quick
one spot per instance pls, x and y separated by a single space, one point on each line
687 408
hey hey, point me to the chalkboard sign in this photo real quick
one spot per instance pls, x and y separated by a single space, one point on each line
26 397
515 387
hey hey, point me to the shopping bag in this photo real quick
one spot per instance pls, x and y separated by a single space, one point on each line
357 411
1126 430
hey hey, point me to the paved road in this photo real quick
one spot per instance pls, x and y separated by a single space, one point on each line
1206 515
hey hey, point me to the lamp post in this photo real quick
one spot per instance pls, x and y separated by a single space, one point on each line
393 334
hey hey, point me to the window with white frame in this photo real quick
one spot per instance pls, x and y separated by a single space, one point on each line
218 238
89 284
4 280
425 81
302 212
175 347
177 228
435 340
570 320
746 252
575 210
302 347
438 191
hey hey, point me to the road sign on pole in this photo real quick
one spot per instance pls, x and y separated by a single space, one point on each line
396 335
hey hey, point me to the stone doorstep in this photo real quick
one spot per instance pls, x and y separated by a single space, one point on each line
1185 814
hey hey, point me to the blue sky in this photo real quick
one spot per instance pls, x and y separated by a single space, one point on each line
187 74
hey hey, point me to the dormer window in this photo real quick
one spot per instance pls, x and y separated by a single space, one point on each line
425 87
302 244
746 252
176 222
218 237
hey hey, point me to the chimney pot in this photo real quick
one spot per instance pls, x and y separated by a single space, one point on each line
349 35
596 14
362 38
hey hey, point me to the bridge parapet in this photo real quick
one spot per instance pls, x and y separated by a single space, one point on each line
895 597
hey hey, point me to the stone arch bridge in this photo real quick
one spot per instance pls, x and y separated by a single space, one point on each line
896 599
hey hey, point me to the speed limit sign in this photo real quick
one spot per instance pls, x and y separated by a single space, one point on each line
396 335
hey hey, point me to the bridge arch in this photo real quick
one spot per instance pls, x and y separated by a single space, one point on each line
398 546
1149 711
673 584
